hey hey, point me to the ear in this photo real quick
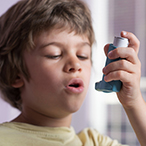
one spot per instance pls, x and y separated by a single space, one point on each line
18 82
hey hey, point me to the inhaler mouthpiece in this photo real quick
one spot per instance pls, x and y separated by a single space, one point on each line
120 42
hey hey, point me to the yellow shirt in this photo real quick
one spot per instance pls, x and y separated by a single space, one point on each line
21 134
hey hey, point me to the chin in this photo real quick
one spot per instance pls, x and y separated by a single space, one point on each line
74 107
73 104
73 110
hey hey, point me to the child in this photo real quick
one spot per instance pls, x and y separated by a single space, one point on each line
45 64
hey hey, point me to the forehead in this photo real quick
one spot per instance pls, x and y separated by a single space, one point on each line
62 36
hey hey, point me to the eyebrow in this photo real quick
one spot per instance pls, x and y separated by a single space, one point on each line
82 44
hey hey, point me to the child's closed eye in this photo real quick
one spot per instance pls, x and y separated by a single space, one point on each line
82 57
53 56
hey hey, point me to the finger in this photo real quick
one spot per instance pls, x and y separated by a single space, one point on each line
120 65
121 75
133 40
106 47
126 53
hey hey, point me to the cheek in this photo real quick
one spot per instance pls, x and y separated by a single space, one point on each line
42 75
88 70
87 74
47 78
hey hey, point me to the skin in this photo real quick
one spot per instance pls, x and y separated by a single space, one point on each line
58 58
128 71
41 102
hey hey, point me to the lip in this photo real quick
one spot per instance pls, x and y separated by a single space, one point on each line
75 85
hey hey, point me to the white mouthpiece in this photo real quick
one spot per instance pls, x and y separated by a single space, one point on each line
120 42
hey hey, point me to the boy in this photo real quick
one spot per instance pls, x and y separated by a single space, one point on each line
45 64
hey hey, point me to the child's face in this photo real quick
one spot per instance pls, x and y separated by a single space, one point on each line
59 68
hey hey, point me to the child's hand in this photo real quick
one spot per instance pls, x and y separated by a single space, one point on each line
127 70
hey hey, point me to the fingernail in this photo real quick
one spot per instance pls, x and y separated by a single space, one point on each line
110 54
105 78
124 33
104 70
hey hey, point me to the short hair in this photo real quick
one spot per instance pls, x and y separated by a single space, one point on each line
24 21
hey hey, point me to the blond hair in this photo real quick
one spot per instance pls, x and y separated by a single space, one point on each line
25 20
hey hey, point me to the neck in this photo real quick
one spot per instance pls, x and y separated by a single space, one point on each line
38 119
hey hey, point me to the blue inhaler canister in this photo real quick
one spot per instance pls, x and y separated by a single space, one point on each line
113 86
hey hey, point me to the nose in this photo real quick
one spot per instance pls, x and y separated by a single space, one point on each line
72 65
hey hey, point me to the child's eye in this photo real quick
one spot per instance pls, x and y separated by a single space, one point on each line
82 57
53 56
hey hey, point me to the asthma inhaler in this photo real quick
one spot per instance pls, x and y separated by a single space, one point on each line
113 86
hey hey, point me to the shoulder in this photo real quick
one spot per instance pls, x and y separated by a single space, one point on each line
8 135
5 130
92 137
5 135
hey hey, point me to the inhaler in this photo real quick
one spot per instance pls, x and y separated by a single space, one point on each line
113 86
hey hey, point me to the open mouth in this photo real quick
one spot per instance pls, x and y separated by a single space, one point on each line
75 85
